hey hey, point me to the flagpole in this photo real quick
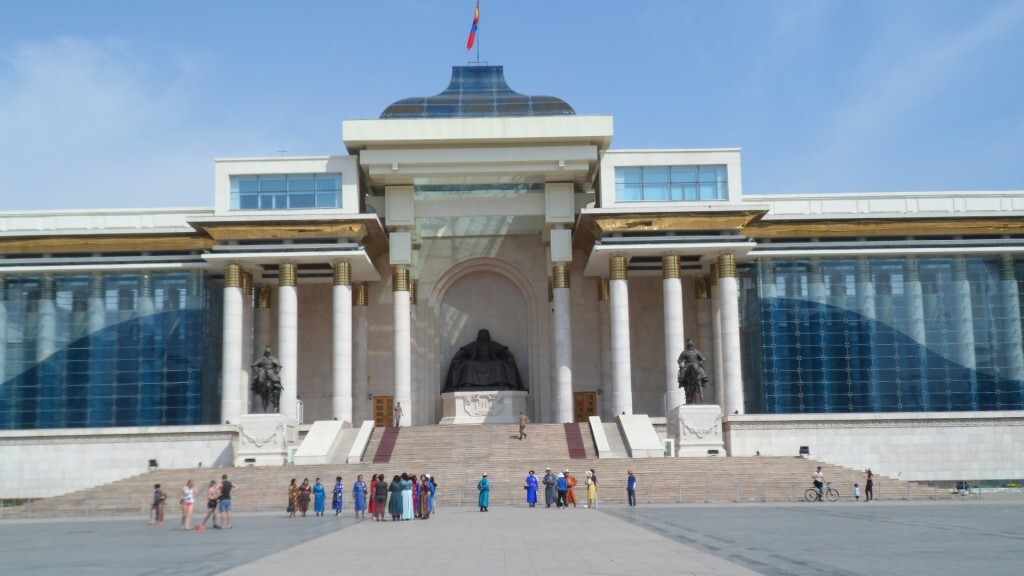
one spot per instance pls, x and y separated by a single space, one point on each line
478 39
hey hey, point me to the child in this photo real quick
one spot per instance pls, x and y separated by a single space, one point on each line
157 510
856 492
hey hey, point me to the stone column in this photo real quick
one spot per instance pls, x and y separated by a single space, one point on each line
342 342
1013 346
46 341
231 346
248 321
914 297
403 342
716 326
563 343
261 322
604 324
866 351
963 325
360 385
672 294
728 293
549 399
288 336
622 383
706 334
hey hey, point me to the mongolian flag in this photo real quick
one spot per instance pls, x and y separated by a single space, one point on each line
472 31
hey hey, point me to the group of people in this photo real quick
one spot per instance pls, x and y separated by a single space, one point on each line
404 498
818 478
560 489
218 501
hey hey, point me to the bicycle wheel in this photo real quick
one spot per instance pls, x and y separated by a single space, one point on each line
832 495
811 495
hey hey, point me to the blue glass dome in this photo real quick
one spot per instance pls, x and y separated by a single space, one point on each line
478 92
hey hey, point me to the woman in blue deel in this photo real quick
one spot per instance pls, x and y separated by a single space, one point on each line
484 486
531 489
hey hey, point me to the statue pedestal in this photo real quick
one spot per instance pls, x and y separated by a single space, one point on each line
696 429
483 407
263 439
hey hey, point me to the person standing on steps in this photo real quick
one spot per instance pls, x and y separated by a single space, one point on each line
523 421
869 487
484 487
226 487
398 414
631 489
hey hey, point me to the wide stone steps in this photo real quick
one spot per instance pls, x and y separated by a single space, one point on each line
457 456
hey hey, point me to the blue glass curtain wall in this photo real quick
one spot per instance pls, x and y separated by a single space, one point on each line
882 335
105 350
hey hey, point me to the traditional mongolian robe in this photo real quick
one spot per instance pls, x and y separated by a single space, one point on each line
293 498
320 494
484 486
338 497
373 497
304 490
395 503
359 496
570 494
424 508
531 489
407 509
550 493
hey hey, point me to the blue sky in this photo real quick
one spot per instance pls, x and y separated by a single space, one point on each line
122 104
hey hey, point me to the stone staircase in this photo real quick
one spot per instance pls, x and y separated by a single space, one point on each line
457 456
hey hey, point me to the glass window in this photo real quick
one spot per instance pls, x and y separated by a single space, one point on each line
285 191
671 183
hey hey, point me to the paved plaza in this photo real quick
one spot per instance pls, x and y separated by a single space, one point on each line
977 537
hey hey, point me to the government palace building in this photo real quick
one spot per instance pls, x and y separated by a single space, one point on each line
868 330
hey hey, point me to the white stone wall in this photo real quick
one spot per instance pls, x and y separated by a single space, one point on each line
919 446
43 463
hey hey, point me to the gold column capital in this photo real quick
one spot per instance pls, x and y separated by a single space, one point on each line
1006 267
560 276
551 290
727 266
713 276
232 276
617 268
342 273
603 291
670 267
47 287
400 279
286 273
247 283
413 291
361 294
701 288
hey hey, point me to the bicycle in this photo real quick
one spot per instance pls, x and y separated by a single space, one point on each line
827 491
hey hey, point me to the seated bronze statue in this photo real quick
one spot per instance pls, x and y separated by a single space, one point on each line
483 365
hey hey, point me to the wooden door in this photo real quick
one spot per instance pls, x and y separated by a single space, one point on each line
584 405
383 410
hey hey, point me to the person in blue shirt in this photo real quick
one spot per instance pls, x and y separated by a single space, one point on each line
631 488
562 485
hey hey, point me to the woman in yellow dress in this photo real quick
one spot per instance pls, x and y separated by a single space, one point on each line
591 489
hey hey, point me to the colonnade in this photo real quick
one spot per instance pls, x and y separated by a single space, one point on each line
245 316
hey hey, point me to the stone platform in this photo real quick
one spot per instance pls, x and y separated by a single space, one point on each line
483 407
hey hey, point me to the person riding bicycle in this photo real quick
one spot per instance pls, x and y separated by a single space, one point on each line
819 482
